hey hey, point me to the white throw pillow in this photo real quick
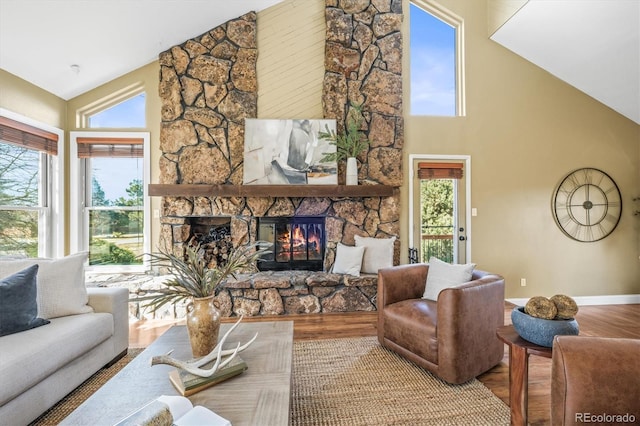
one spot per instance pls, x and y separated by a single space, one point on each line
443 275
61 287
378 253
348 260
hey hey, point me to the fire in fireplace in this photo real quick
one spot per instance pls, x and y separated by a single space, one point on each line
297 243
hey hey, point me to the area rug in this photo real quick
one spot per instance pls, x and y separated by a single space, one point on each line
351 382
357 382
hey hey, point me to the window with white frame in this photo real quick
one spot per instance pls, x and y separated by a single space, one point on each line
109 174
436 60
31 199
110 198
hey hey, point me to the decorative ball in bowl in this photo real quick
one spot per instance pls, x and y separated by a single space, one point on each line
541 331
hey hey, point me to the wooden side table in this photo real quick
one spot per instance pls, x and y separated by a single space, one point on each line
519 351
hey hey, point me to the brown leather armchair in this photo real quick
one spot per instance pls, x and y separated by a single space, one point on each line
455 337
593 377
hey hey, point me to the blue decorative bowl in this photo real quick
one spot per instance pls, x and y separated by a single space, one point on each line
541 331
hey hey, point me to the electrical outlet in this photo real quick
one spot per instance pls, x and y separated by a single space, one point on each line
523 282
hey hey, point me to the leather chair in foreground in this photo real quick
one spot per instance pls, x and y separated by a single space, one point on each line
595 380
455 337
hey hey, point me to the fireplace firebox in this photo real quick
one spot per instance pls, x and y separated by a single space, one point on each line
297 243
213 235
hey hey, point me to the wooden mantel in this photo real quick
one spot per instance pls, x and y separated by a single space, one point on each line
202 190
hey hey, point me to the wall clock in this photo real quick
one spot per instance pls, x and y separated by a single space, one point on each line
587 205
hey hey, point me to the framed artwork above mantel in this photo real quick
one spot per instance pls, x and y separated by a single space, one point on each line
288 152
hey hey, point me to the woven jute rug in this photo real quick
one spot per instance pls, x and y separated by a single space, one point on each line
357 382
351 382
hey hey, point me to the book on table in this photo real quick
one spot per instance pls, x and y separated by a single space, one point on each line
188 384
170 410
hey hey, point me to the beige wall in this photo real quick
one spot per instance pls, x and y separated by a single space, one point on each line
524 131
22 97
499 12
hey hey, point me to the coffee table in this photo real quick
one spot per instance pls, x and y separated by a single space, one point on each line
259 396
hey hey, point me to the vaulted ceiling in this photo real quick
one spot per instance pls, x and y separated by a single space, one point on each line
42 40
594 45
68 47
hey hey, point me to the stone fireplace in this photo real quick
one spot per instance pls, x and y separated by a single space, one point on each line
208 86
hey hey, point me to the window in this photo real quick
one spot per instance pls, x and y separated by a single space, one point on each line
111 202
127 114
436 56
109 175
30 182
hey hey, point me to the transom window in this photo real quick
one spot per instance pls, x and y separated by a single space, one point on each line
436 57
127 114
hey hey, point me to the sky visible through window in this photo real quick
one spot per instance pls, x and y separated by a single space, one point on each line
127 114
114 175
433 65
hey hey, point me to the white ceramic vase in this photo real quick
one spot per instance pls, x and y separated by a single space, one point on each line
352 171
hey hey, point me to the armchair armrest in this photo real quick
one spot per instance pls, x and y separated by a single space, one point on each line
467 320
594 375
401 283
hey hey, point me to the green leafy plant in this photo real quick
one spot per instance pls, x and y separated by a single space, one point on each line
192 278
352 142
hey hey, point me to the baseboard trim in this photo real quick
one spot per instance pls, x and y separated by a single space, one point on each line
615 299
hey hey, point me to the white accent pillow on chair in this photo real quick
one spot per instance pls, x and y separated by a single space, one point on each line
443 275
378 253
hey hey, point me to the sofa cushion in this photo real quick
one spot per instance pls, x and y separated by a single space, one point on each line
61 287
443 275
412 324
30 356
18 306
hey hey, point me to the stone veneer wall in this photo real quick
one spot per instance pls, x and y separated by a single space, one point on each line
363 62
208 86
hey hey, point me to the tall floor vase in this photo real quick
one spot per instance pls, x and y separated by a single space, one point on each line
203 325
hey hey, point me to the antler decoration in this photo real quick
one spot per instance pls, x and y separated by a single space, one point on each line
217 353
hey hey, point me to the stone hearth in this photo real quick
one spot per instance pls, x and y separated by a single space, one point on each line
297 292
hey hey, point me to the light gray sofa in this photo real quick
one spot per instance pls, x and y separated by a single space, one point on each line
39 367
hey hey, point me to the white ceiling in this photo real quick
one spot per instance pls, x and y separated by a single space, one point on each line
594 45
41 39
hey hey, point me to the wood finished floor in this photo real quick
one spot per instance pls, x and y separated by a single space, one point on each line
605 321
